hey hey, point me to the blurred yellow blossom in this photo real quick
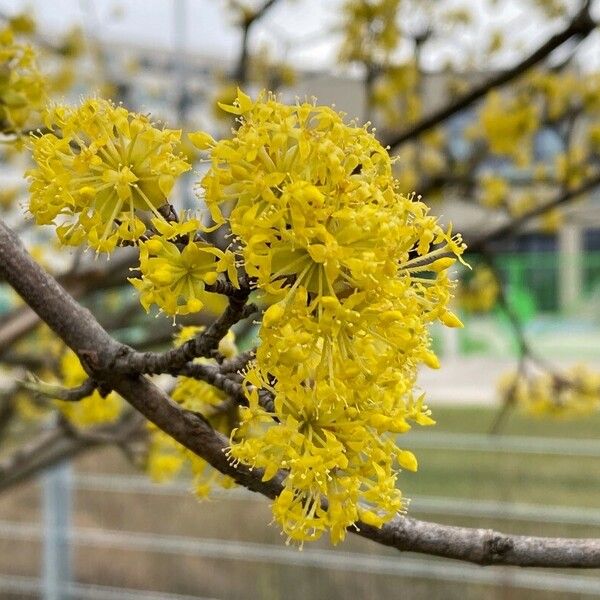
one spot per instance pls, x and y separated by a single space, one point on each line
93 409
22 87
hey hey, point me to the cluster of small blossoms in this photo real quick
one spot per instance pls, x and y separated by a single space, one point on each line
395 94
103 176
59 364
27 404
370 30
575 393
478 290
102 173
22 87
494 191
354 272
508 126
166 457
174 275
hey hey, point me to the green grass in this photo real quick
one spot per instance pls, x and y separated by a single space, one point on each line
479 420
508 477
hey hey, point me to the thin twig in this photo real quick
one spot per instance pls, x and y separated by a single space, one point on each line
59 392
515 225
580 26
204 344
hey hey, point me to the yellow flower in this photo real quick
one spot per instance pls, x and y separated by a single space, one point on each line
225 93
574 394
8 195
324 446
573 167
479 291
22 87
357 272
395 95
508 126
494 191
174 277
101 172
22 23
315 201
370 30
73 43
93 409
165 457
551 221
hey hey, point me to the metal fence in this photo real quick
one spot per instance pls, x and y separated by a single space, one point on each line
59 536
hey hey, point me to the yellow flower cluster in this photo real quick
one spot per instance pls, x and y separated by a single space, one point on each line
574 167
508 126
8 196
166 457
22 87
370 30
356 272
43 341
494 191
479 291
395 94
100 171
266 70
174 276
574 394
93 409
561 91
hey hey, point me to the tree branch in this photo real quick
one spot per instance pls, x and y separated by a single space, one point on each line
79 330
203 344
241 70
237 363
58 392
18 323
58 444
580 26
213 375
515 225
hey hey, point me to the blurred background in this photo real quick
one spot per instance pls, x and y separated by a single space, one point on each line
493 110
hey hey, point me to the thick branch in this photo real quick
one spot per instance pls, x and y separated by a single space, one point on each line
18 323
83 334
480 546
581 26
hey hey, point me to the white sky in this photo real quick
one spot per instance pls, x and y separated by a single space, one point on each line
152 22
303 27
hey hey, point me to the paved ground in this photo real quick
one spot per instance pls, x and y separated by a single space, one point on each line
473 380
